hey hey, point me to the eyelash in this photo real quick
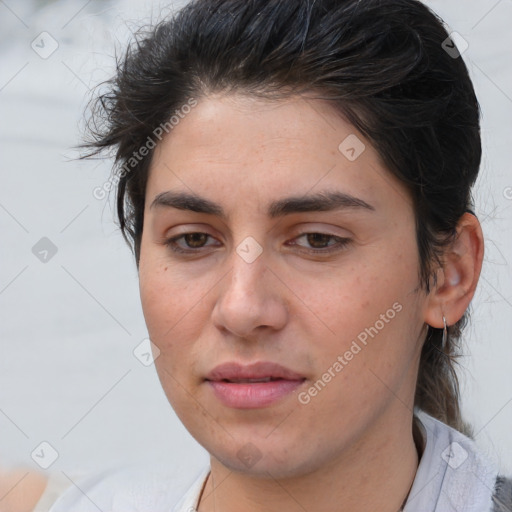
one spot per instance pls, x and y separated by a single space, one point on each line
341 244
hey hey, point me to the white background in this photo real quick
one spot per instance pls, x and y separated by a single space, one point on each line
69 326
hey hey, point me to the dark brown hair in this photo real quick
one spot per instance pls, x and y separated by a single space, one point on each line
381 63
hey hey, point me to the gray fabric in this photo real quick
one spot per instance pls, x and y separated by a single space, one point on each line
502 497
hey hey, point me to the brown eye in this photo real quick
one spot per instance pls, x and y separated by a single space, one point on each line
195 240
318 240
321 243
189 242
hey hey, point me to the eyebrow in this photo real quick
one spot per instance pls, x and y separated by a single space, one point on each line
319 202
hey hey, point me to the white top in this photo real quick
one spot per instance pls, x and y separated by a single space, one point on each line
56 485
453 475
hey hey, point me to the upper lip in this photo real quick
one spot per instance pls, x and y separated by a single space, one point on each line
235 371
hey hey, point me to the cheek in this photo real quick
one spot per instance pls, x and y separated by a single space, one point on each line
354 298
175 308
158 303
162 298
171 308
369 311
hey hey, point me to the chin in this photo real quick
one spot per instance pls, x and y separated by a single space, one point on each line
282 458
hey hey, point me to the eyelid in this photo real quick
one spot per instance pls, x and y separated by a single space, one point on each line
339 245
324 228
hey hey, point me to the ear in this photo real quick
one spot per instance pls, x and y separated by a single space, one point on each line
458 277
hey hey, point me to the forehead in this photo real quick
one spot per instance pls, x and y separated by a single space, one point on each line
239 146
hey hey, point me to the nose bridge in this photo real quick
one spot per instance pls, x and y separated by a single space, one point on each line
247 298
246 281
247 262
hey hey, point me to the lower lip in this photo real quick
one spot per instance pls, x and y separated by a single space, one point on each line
253 396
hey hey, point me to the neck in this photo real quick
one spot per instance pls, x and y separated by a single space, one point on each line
374 474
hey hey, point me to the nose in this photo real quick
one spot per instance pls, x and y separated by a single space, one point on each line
250 299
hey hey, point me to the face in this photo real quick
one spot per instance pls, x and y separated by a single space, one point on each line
284 294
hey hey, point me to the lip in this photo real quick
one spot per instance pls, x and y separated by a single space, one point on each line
229 384
235 371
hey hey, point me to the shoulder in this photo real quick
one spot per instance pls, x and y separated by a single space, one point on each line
131 489
502 497
476 479
453 471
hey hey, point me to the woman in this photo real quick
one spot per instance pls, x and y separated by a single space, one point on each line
295 180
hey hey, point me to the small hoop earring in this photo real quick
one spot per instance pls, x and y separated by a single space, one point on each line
445 335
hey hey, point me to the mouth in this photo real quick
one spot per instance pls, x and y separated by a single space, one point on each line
256 372
252 386
251 381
